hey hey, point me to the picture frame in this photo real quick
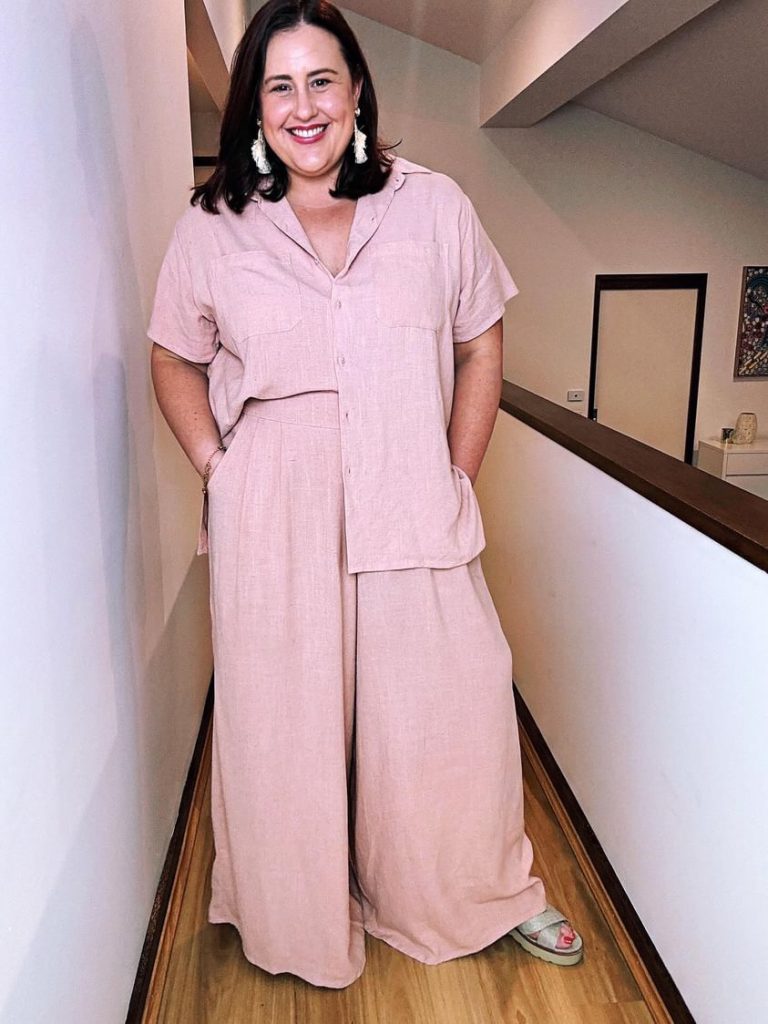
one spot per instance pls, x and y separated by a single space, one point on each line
751 362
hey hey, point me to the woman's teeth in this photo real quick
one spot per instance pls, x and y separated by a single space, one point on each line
307 133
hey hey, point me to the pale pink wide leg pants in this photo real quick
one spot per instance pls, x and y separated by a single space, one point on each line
366 769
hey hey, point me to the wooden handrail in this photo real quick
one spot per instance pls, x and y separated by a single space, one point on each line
729 515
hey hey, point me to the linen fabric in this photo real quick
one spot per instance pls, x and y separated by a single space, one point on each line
366 772
247 296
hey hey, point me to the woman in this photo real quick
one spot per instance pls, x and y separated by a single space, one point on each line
327 331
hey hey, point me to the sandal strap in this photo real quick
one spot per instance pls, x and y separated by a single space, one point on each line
548 916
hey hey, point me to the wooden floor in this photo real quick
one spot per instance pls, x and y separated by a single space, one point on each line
202 977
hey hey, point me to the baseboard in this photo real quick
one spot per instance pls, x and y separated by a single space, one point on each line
662 996
150 976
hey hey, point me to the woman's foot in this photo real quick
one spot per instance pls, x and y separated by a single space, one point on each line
565 937
550 937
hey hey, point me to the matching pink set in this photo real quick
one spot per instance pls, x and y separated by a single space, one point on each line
366 767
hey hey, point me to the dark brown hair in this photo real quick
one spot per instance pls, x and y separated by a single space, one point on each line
235 178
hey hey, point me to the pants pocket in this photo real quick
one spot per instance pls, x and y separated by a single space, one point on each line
222 465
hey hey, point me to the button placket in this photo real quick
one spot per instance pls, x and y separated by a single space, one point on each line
361 233
342 383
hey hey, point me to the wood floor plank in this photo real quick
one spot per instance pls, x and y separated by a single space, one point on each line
208 980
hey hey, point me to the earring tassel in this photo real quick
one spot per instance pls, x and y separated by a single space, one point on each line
259 154
359 143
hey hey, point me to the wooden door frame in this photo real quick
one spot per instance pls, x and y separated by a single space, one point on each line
648 282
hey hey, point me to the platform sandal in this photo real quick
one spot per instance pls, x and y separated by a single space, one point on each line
547 924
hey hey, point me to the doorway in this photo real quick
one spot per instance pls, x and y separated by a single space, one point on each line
646 353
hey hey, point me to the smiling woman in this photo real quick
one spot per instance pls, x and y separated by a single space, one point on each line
327 350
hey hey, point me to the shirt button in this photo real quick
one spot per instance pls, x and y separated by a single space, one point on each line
346 415
342 360
338 303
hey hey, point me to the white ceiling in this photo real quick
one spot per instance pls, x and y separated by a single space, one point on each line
468 28
703 87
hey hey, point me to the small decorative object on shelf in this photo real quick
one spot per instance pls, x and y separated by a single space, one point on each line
745 431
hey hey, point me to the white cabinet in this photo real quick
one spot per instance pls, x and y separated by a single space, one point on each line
745 465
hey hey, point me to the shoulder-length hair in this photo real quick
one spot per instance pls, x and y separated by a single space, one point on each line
235 177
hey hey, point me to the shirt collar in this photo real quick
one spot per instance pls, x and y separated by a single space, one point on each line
370 210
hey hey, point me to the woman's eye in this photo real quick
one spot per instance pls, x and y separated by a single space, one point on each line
283 86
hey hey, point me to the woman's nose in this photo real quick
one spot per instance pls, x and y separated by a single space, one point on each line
305 104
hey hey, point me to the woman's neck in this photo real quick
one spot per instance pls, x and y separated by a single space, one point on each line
312 193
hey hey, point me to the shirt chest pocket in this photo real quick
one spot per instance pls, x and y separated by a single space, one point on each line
255 293
410 284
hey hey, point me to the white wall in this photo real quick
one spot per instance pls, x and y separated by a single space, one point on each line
575 196
640 647
228 18
106 651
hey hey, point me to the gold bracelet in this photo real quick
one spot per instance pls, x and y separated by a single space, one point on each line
207 469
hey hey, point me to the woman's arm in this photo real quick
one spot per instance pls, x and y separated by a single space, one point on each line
181 388
476 395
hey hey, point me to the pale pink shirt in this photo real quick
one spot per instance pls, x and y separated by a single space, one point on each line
247 295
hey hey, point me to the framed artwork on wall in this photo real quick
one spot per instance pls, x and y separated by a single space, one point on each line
752 337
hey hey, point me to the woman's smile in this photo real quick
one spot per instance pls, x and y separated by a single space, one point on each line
308 134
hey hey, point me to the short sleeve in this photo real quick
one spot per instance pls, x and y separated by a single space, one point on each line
485 283
177 323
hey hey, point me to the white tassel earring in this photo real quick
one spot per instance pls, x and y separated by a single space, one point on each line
359 140
259 152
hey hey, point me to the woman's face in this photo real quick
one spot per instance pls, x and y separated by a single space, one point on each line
308 101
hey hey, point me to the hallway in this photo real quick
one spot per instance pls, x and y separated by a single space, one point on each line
208 981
